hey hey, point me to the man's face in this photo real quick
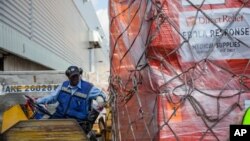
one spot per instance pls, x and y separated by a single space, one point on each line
74 80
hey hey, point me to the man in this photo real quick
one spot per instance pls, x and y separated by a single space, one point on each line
75 97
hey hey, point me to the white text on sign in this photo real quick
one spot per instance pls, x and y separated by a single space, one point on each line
29 88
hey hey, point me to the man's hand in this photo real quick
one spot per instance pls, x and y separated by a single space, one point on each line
98 103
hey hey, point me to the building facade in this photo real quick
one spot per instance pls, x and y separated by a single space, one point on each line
51 35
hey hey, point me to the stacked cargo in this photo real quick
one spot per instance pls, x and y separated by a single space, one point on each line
179 69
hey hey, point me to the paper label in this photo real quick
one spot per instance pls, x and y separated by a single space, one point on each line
205 40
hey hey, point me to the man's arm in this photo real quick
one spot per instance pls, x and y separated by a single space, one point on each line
94 92
50 99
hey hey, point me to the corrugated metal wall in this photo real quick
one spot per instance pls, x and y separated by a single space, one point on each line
15 63
53 29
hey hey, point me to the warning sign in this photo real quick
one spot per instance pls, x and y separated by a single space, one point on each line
29 88
218 34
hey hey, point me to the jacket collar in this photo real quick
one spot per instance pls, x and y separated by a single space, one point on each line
78 85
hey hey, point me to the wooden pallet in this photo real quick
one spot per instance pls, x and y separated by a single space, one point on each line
45 130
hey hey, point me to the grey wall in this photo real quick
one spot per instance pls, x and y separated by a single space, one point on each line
15 63
49 32
101 54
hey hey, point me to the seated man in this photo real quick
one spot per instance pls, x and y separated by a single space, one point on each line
75 96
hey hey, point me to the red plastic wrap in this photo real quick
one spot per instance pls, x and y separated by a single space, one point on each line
179 68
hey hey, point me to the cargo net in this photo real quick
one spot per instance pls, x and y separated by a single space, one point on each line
179 68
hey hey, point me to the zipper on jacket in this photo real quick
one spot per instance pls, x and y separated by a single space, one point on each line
67 108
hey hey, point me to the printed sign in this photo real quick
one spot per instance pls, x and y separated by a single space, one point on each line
206 40
199 2
29 88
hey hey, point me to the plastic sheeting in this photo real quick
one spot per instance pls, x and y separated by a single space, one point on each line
179 68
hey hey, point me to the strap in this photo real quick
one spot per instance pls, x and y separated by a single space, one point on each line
65 89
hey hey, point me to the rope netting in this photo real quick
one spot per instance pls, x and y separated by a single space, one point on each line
179 68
